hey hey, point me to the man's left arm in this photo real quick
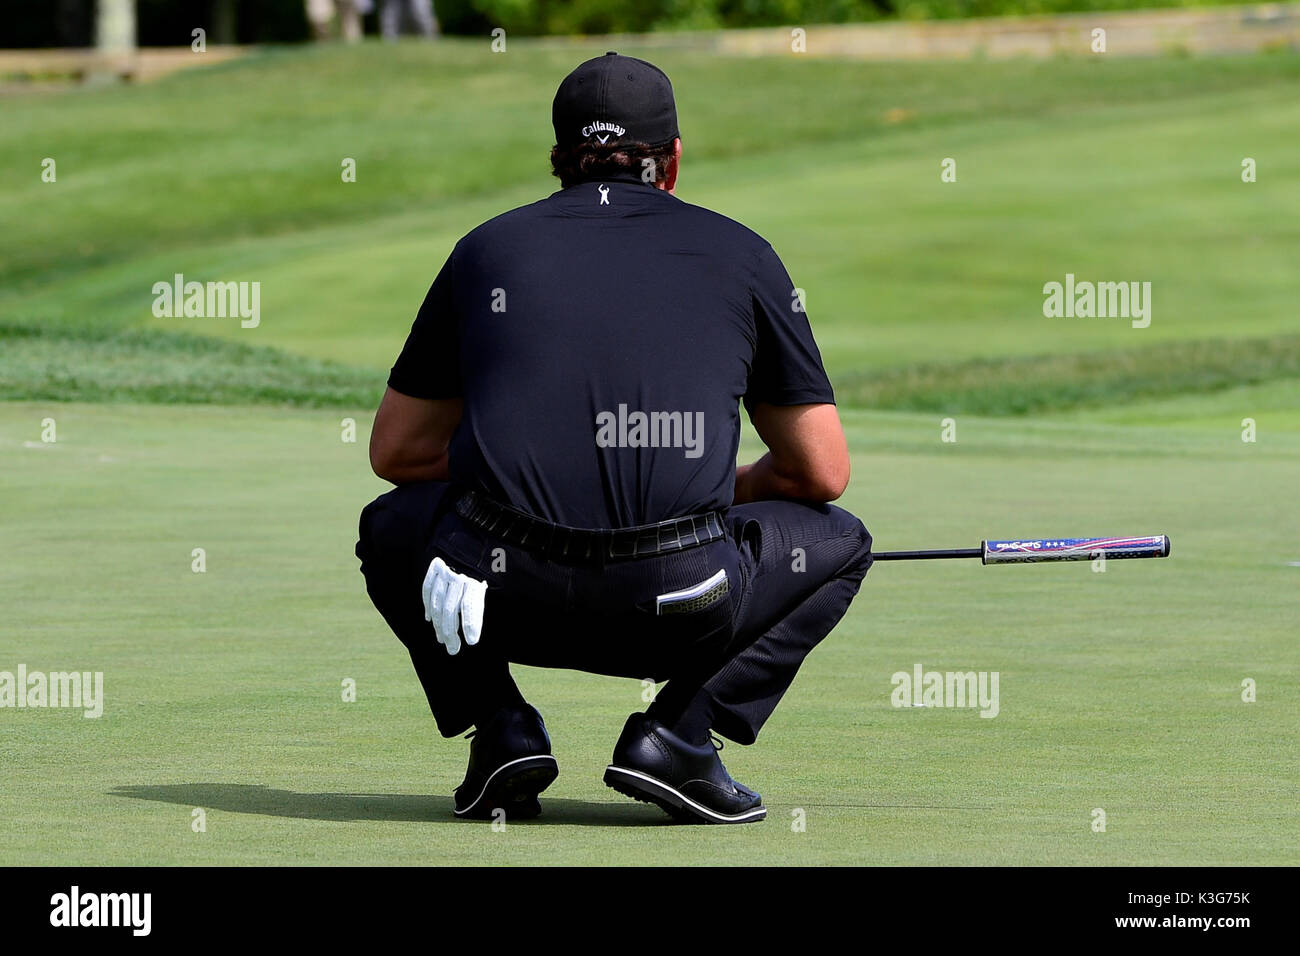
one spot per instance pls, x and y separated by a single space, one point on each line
789 399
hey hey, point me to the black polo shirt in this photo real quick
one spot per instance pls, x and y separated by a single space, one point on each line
602 339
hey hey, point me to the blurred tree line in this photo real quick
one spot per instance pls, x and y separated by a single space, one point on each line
55 23
637 16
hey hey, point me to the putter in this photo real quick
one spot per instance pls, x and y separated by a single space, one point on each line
1035 550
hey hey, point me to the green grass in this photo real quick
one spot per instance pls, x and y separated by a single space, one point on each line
1109 169
239 149
62 363
1048 383
1118 690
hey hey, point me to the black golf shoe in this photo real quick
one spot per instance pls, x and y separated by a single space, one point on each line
510 763
654 765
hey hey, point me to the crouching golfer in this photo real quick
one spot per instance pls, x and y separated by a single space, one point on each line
562 425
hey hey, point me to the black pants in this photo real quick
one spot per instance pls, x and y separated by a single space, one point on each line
793 570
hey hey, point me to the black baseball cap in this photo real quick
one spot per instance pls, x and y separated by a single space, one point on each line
613 98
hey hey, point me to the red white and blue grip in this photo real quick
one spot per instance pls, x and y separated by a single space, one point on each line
1021 550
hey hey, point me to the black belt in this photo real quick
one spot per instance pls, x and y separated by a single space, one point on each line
583 544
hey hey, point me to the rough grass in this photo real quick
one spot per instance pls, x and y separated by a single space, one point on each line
92 364
1049 383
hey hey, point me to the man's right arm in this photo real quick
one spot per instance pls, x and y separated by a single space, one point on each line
807 457
410 437
422 405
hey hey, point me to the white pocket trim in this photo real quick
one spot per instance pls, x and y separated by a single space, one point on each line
686 594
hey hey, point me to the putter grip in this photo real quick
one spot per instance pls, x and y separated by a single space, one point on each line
1022 550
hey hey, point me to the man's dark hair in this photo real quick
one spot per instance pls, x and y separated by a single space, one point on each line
589 161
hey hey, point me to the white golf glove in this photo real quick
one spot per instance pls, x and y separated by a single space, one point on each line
453 602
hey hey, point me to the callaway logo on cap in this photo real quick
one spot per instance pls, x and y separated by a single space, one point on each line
615 98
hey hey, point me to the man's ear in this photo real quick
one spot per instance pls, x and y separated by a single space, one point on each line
670 177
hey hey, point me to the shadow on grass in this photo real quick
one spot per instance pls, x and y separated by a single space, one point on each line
392 807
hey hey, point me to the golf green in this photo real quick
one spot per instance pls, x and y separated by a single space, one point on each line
1119 691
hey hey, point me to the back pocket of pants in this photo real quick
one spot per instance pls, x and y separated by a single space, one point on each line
696 598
